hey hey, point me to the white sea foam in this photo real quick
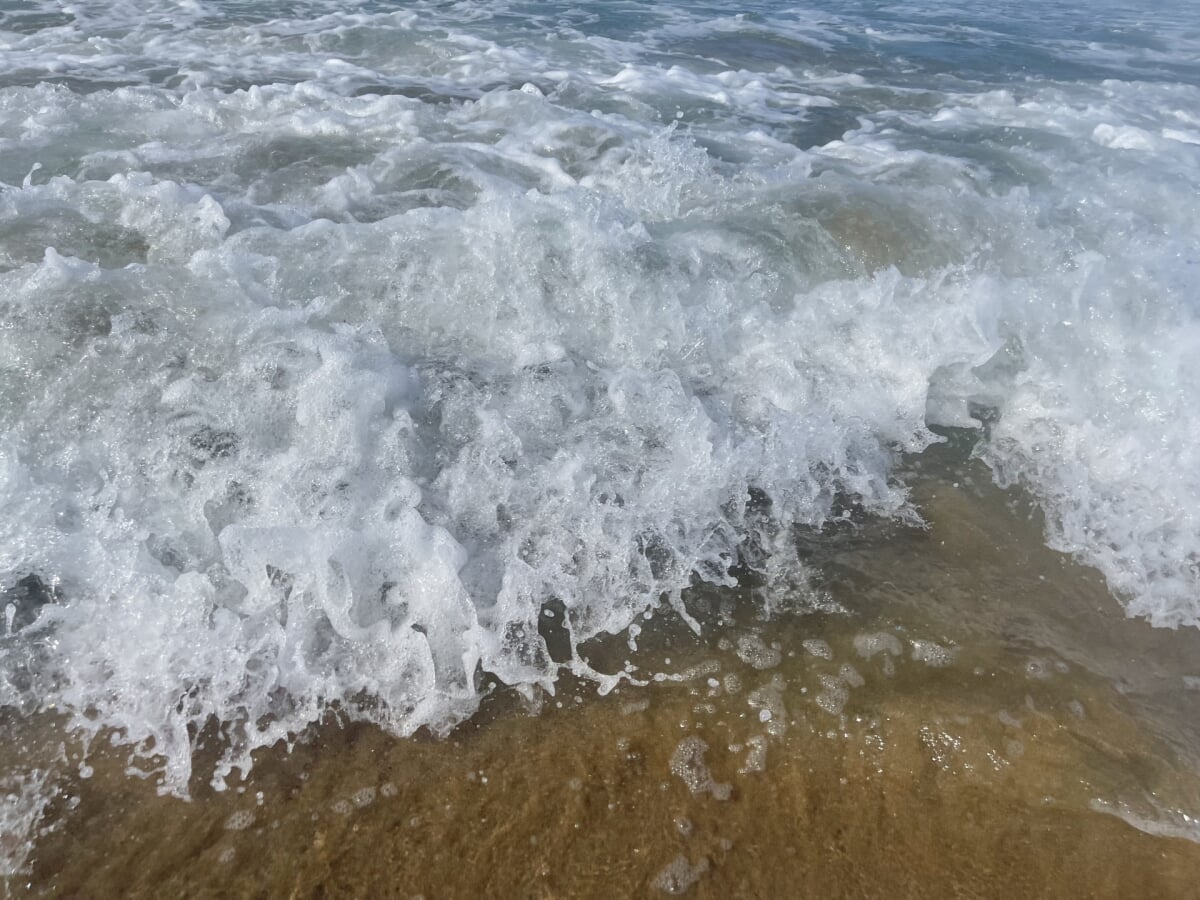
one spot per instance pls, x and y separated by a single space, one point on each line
23 801
337 343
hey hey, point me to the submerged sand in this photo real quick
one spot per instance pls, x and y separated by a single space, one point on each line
955 711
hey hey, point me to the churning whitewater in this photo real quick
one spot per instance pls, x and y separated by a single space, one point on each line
340 343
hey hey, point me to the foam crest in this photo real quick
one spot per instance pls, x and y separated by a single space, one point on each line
341 348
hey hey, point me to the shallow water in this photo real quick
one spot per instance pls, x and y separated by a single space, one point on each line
954 710
385 364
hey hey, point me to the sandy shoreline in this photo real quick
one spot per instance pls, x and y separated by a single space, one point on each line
919 796
975 722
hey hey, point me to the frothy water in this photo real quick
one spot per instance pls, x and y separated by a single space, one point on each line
342 347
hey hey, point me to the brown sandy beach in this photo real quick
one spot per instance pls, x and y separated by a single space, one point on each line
978 720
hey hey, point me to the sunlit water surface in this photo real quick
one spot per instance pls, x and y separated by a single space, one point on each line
367 364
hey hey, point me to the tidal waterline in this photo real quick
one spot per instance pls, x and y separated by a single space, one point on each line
370 367
954 709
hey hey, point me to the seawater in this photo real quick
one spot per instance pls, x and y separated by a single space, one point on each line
343 345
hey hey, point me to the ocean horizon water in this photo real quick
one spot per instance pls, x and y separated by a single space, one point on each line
364 356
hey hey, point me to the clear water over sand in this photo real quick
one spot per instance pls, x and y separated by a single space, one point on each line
374 376
976 718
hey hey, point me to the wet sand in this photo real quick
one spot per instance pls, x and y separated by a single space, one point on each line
955 711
